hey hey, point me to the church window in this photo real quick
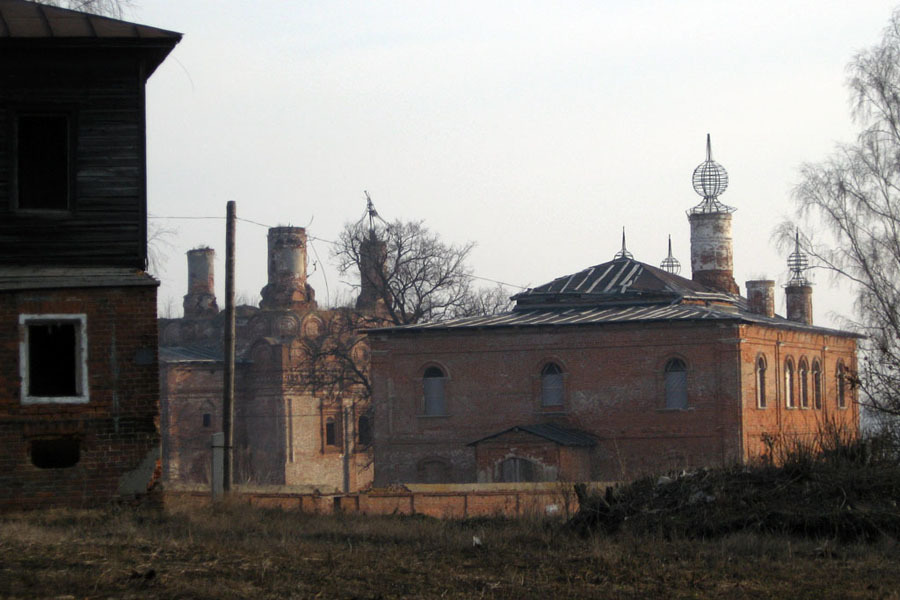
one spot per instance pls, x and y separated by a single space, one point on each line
551 385
364 430
817 384
433 387
841 376
761 381
789 399
803 372
676 384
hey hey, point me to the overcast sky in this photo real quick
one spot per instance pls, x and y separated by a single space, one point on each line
535 129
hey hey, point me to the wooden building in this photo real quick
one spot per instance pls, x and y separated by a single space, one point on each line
78 358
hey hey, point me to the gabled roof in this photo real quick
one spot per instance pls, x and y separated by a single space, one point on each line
623 280
30 23
548 431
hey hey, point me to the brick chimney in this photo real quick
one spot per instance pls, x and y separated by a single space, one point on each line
287 287
712 263
761 297
799 303
200 301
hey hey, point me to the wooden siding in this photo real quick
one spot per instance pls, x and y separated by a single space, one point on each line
104 94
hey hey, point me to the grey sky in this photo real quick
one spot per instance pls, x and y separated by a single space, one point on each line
536 129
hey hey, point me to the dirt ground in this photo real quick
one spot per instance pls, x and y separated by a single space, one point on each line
234 551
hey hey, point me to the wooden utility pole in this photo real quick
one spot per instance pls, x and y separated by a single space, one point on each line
228 399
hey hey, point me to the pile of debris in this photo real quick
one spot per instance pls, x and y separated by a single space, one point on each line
843 498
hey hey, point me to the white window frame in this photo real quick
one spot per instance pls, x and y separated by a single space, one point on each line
81 357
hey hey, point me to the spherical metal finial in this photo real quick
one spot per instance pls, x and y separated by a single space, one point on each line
710 178
797 263
670 264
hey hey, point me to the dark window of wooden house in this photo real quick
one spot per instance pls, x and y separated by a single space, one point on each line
42 162
53 359
58 453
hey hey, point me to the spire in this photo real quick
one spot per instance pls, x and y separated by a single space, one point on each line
710 180
670 264
623 253
797 264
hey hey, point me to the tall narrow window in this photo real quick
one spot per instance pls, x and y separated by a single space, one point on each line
433 387
551 385
841 376
789 399
42 162
364 430
332 432
804 383
676 384
761 382
53 359
817 385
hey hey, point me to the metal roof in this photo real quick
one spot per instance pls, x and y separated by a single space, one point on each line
620 280
38 278
549 431
23 22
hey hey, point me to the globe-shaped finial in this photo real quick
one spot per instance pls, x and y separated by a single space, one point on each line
798 263
710 178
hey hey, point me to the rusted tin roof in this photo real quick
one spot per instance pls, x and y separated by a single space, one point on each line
557 434
36 278
23 22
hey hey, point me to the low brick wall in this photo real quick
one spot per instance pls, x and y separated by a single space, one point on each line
439 501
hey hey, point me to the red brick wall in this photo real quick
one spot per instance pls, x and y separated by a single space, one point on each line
614 389
116 429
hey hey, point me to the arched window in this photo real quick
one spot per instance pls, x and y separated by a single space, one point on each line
433 387
364 430
676 384
817 384
513 470
841 376
803 371
551 385
761 381
789 399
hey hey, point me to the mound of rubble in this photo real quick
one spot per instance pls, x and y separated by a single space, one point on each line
846 499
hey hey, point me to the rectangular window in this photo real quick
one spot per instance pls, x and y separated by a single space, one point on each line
53 359
42 162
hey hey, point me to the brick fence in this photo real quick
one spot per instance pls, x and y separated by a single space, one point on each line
440 501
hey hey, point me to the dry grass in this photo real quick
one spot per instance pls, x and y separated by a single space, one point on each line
233 551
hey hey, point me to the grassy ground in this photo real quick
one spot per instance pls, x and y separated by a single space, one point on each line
240 552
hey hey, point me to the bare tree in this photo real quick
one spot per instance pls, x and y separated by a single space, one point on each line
107 8
853 200
412 274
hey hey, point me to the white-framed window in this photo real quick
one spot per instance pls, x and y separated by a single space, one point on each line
676 384
551 385
53 359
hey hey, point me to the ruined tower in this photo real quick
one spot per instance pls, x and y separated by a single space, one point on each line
798 291
711 250
761 297
287 287
200 300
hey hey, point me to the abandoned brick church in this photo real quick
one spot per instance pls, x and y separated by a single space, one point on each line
611 372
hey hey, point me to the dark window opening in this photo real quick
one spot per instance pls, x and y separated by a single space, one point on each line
516 470
207 419
789 383
433 388
42 155
761 382
551 385
804 384
58 453
332 432
364 430
676 384
841 386
817 385
52 359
